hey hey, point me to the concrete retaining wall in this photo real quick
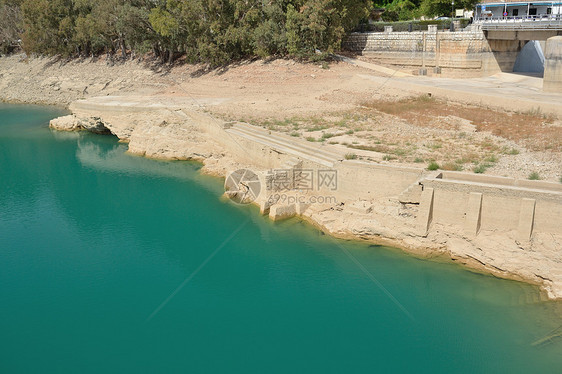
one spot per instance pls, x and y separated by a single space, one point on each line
505 204
466 51
361 180
472 202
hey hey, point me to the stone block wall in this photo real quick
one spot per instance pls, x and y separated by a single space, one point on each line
465 50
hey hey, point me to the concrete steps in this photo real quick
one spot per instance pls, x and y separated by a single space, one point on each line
288 140
285 144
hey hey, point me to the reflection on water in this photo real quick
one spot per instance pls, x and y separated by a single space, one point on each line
111 157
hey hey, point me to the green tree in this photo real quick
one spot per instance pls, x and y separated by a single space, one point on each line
405 9
48 26
11 26
322 24
211 31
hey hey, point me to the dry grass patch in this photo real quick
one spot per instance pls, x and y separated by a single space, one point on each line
531 129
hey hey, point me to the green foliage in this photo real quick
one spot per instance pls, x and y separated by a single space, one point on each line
402 10
480 169
389 158
433 166
211 31
84 27
534 176
437 7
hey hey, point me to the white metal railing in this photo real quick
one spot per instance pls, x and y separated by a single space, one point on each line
538 22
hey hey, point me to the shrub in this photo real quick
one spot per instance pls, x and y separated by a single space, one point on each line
479 169
534 176
350 156
513 152
433 166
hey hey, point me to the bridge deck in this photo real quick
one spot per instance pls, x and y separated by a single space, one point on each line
530 23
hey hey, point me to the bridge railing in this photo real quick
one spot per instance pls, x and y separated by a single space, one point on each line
538 22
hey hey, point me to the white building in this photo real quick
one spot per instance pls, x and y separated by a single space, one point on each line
511 9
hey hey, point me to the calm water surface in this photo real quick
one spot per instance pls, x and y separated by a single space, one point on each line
93 241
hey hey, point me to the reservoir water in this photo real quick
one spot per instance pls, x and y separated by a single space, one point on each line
111 263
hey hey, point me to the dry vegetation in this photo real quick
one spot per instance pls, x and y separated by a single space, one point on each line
431 132
532 130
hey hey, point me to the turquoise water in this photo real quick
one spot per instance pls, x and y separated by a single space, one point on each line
98 251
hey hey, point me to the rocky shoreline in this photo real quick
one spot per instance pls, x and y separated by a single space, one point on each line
166 126
182 133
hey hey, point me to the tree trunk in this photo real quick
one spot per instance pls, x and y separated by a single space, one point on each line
170 57
123 49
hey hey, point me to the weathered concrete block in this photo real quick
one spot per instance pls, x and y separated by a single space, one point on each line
279 212
473 214
526 219
301 208
411 195
425 213
552 81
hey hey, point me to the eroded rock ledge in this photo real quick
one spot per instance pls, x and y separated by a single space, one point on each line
510 228
73 123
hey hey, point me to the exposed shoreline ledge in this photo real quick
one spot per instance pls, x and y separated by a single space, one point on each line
382 203
376 203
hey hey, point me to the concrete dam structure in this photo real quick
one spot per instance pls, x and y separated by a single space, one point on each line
474 51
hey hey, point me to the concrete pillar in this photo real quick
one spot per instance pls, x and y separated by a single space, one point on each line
388 29
437 69
425 213
526 219
423 69
552 81
432 29
473 214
